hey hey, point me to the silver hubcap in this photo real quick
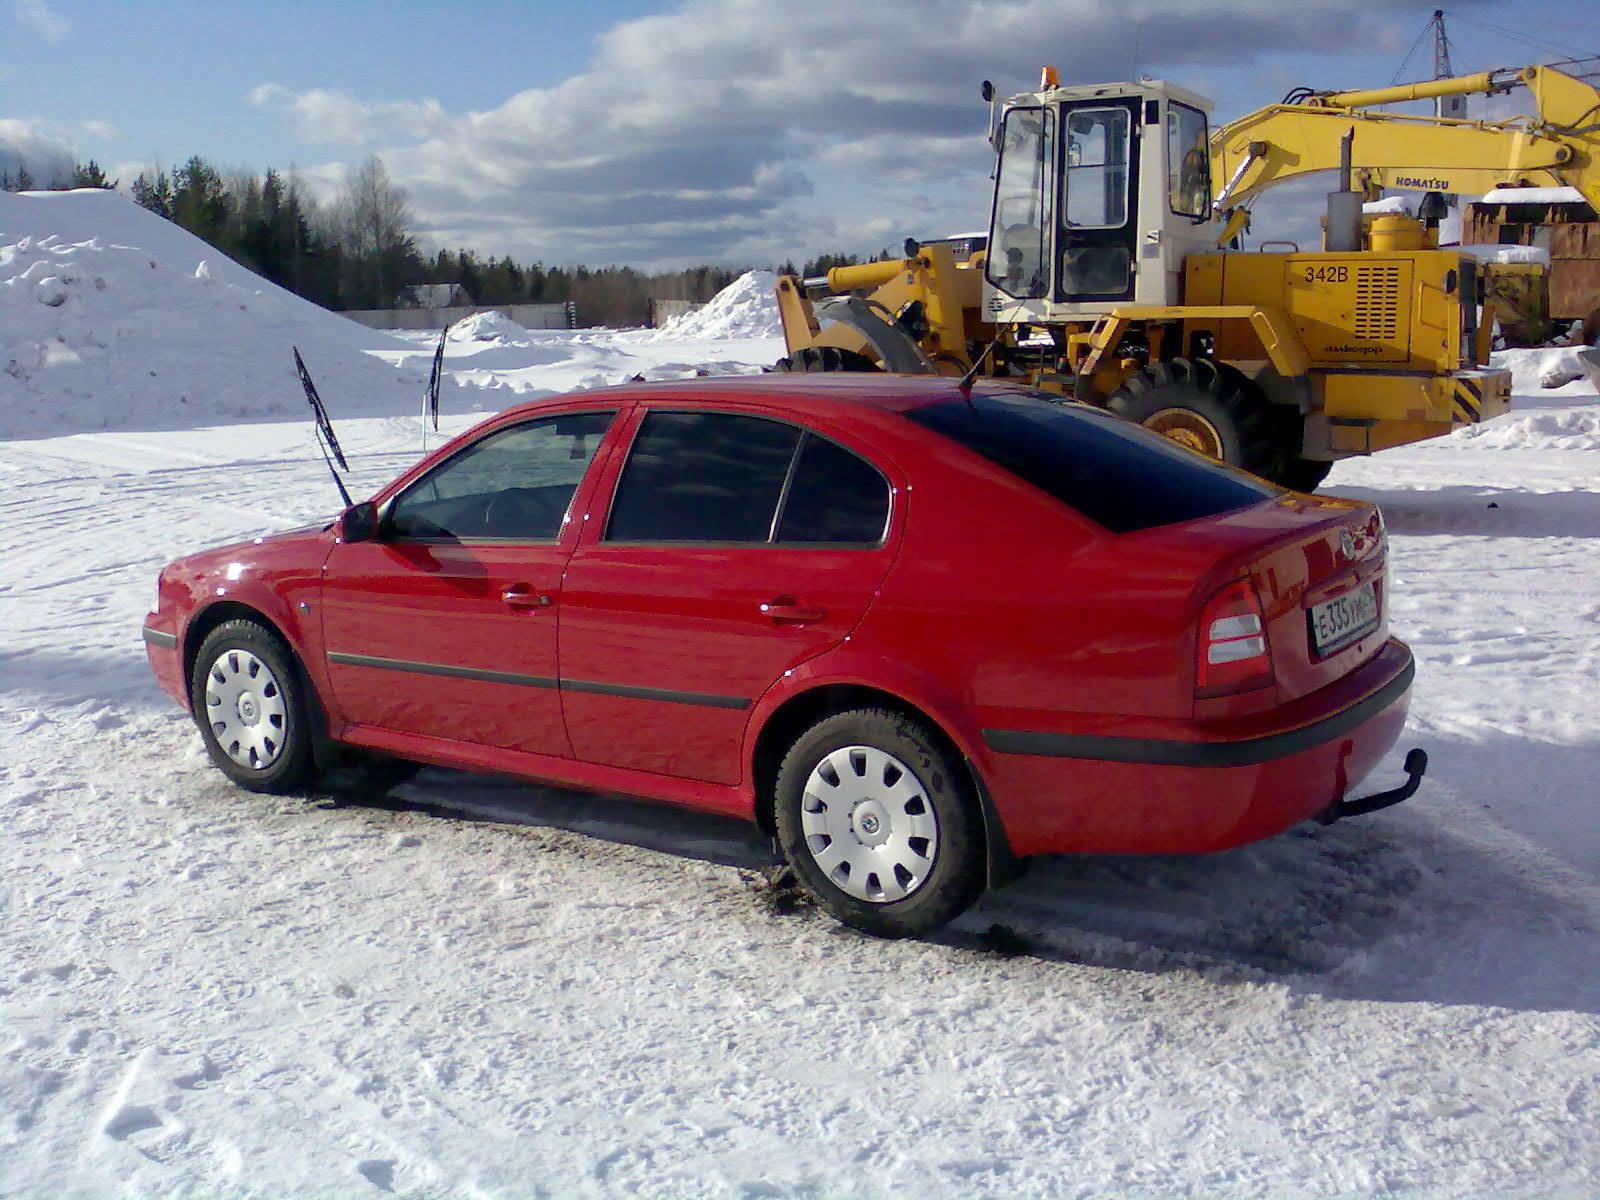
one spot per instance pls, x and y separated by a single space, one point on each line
868 824
245 709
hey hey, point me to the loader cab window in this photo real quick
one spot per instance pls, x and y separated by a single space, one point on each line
1188 162
1024 201
1097 168
1097 178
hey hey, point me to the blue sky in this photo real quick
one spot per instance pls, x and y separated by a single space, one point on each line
661 132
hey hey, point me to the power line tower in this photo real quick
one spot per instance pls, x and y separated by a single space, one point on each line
1445 106
1454 107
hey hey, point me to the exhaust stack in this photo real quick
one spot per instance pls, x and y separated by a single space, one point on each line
1343 226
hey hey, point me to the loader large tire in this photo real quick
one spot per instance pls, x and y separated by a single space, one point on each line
1212 409
1304 474
825 358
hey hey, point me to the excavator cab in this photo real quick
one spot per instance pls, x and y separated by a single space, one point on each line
1100 191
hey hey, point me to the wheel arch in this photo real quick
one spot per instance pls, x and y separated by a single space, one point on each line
209 618
203 622
799 712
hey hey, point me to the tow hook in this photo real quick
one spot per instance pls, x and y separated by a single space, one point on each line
1416 766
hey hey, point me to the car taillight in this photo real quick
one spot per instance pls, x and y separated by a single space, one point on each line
1232 655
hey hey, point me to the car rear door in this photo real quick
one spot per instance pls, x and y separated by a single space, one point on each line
445 625
737 545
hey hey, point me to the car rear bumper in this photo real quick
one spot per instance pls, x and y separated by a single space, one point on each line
1225 783
166 660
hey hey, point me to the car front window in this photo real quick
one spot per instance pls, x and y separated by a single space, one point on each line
514 484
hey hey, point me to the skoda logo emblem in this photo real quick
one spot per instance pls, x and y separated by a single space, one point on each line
1347 543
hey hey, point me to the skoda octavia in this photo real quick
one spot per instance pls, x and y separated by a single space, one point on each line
916 632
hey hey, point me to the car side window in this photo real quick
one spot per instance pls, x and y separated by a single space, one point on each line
514 485
834 497
702 477
723 477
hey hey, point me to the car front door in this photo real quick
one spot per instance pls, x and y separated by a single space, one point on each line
445 625
736 546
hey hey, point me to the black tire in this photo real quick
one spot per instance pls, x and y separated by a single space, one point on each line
1304 474
909 837
249 700
824 358
1213 409
1589 330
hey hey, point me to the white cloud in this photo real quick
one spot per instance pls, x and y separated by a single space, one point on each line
37 16
338 119
32 145
719 129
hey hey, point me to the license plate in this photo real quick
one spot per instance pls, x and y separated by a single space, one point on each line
1344 619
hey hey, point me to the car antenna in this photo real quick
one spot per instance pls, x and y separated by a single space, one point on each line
329 444
966 380
430 398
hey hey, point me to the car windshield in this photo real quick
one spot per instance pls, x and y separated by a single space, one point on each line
1118 475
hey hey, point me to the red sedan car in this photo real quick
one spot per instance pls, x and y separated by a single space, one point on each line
916 632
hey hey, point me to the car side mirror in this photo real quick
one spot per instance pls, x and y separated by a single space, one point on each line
359 523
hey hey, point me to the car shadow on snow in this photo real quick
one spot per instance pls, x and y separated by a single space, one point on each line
1406 905
60 677
1485 511
461 795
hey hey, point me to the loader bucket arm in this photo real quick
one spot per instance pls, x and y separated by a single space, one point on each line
915 315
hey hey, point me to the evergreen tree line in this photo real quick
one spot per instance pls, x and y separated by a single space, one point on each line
84 175
359 251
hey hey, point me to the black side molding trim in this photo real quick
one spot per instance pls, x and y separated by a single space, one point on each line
1200 754
702 699
156 638
422 668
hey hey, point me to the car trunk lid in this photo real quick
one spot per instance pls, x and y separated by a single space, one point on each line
1318 566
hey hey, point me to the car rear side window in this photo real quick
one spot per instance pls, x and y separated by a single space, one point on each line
724 477
834 497
1119 476
702 477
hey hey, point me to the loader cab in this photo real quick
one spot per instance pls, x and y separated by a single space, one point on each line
1100 192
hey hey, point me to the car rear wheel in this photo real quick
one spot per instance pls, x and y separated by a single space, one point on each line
249 702
878 823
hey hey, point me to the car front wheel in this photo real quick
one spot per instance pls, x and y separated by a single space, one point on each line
249 703
879 824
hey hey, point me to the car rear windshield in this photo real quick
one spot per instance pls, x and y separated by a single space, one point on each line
1120 476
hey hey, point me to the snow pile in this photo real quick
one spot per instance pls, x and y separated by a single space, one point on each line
1575 368
113 318
489 326
1533 195
747 307
1404 205
1502 252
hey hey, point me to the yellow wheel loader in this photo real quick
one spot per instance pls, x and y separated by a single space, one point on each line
1106 273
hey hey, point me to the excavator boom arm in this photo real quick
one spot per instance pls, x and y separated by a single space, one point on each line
1560 146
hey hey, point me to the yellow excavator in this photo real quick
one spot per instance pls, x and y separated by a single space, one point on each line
1110 271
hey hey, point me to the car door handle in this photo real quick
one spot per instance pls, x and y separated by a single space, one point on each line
786 610
520 595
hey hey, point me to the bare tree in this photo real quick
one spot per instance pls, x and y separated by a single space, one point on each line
373 219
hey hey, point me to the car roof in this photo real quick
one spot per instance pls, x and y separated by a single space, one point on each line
869 389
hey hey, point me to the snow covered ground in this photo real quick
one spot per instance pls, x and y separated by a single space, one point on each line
480 989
